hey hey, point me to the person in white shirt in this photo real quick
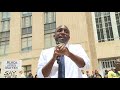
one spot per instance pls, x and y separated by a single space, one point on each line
84 75
22 74
75 57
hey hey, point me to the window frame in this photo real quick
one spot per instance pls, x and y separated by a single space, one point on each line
26 32
49 28
104 33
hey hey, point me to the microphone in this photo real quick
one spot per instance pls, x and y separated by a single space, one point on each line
60 41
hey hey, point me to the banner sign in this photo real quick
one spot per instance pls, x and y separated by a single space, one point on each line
11 68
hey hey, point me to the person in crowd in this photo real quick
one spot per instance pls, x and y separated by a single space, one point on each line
22 74
30 75
115 73
84 74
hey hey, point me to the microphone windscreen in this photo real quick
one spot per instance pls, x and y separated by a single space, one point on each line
60 40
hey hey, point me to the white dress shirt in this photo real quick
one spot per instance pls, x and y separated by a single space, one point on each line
71 69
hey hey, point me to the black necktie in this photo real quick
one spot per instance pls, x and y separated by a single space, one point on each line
61 67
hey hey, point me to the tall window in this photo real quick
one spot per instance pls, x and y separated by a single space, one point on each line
5 33
117 15
108 64
27 69
26 31
49 28
104 27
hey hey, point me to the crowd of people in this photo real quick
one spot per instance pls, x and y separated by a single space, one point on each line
112 73
22 74
94 74
30 75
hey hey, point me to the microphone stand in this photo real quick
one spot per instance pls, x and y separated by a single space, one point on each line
60 61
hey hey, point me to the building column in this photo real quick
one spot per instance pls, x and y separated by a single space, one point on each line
114 25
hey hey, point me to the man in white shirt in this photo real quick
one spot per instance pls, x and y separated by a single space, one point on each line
75 57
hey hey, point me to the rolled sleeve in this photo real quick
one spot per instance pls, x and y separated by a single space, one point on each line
85 57
39 73
41 64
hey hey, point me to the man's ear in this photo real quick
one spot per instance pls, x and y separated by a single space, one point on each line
69 37
54 36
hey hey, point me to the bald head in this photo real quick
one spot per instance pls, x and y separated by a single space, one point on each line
62 33
63 27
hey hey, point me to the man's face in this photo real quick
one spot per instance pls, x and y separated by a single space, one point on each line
63 33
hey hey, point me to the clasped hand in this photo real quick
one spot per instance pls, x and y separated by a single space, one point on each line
61 49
